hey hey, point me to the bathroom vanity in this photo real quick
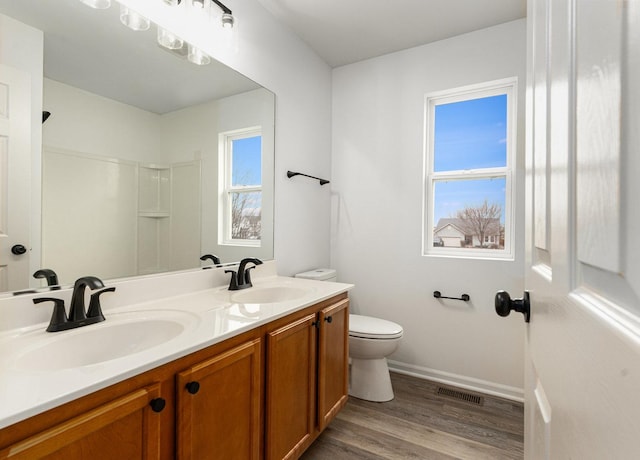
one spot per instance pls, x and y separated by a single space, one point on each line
253 374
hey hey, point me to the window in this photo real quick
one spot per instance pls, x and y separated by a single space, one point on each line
240 182
469 160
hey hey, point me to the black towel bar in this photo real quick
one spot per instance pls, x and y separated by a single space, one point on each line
463 297
290 174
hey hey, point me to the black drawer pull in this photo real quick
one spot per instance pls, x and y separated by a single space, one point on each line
192 387
157 404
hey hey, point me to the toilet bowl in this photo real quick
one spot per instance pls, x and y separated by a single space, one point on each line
371 340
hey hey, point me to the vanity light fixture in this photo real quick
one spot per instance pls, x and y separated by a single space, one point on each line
133 20
97 4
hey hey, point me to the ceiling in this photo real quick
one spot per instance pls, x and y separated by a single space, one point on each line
347 31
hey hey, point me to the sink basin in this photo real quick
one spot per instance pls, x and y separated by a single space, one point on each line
122 334
271 294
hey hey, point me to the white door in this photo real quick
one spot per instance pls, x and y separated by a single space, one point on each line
15 174
582 370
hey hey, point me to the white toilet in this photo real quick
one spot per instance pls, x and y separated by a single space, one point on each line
371 340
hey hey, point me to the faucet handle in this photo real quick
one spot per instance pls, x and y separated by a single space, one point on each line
233 283
58 317
95 311
247 275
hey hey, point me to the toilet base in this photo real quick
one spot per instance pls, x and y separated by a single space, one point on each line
369 380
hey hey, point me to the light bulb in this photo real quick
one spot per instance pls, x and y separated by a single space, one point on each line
227 21
197 56
133 20
169 40
97 4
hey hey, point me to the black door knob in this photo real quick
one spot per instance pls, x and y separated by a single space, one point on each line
329 319
192 387
504 305
18 249
157 404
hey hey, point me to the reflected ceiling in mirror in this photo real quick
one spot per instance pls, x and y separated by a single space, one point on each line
130 152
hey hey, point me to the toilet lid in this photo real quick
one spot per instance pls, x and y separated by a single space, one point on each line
368 327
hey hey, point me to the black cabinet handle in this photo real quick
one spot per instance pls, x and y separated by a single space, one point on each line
192 387
157 404
18 249
329 319
504 305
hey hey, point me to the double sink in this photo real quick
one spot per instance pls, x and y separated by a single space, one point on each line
127 332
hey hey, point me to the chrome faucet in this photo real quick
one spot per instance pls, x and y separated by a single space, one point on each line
78 315
242 279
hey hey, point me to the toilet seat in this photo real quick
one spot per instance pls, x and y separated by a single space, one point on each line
367 327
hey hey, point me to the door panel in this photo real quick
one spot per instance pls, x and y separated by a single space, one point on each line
290 388
126 427
220 417
583 343
333 361
15 174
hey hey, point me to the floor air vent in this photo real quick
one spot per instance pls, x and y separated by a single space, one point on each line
461 395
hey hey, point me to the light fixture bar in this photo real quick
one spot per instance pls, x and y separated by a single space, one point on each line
224 9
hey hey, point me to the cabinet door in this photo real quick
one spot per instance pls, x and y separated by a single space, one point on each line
126 427
333 361
218 406
291 388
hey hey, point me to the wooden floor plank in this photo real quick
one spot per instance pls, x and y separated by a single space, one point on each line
421 424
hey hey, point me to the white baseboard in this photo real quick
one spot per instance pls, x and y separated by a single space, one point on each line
461 381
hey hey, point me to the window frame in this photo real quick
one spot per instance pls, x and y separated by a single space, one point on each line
508 87
226 188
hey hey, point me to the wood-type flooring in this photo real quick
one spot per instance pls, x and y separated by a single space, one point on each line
421 424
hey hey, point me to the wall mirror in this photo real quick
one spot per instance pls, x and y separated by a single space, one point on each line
132 153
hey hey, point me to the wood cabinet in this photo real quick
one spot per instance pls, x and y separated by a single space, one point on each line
127 427
307 378
210 404
218 406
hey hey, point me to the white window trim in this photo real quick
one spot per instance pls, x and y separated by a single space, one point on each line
225 189
508 86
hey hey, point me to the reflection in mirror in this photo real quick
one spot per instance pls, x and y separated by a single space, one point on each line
137 176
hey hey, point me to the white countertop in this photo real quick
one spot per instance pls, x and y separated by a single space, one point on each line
210 318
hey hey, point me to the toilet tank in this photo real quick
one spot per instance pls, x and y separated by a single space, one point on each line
319 274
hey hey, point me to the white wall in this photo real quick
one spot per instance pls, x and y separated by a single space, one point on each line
377 160
273 56
85 122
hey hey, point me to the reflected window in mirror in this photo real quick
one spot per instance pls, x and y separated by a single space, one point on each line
241 187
